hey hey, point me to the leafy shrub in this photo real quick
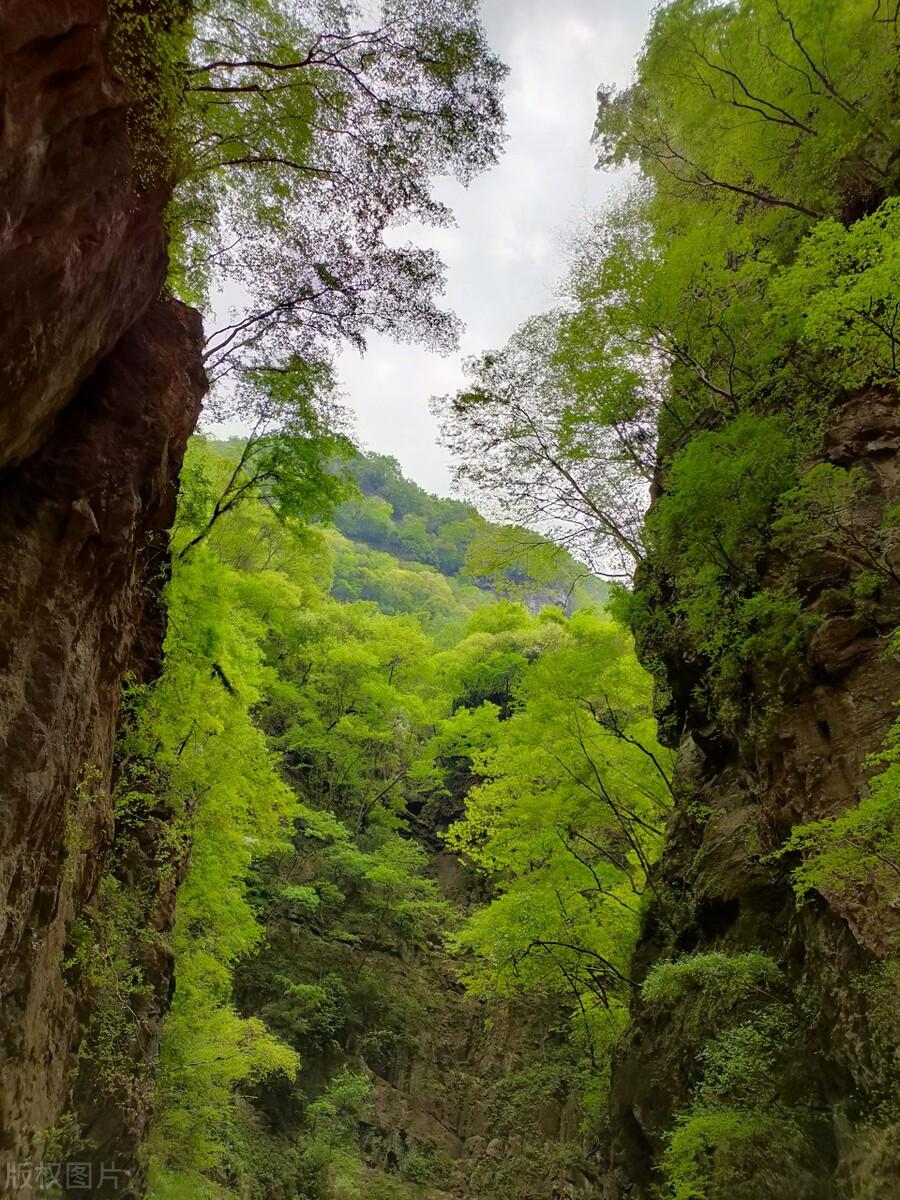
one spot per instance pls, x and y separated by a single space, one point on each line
105 949
860 848
739 1154
420 1166
709 536
711 526
742 1065
880 988
839 297
714 978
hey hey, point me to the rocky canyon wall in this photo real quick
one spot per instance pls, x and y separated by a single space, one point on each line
100 387
727 890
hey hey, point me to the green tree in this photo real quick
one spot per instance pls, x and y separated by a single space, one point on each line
521 436
783 107
566 819
311 131
841 296
195 725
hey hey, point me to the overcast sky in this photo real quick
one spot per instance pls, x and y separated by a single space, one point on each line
503 256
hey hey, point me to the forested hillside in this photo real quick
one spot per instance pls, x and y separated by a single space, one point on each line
361 844
359 1011
395 515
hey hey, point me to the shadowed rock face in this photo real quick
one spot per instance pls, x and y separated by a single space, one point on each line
82 535
82 247
754 784
100 387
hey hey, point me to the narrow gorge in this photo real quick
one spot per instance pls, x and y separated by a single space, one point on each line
359 843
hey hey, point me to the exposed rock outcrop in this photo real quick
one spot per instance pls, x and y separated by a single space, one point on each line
82 244
744 789
100 386
469 1093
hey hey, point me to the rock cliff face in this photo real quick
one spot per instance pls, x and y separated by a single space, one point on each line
100 386
83 248
471 1096
743 792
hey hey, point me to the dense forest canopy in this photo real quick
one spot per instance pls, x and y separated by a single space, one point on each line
317 746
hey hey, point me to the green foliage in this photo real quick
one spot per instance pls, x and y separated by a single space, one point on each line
77 831
420 1166
368 519
711 533
879 988
312 130
713 978
857 852
291 460
149 44
334 1117
396 516
567 817
713 321
858 849
711 526
705 991
297 134
739 1154
747 1133
751 271
326 708
196 724
841 294
742 1065
830 510
104 953
768 113
437 602
551 456
519 564
307 741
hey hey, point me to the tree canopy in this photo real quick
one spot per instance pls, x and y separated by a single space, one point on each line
319 750
312 131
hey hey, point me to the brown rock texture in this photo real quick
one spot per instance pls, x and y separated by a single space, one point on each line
746 788
82 533
82 246
100 387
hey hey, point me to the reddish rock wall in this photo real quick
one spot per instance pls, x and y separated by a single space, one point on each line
82 248
100 386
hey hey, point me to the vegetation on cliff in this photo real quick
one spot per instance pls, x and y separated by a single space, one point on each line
716 322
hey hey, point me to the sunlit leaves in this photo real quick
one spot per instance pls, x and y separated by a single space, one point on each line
223 781
777 107
841 297
566 817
